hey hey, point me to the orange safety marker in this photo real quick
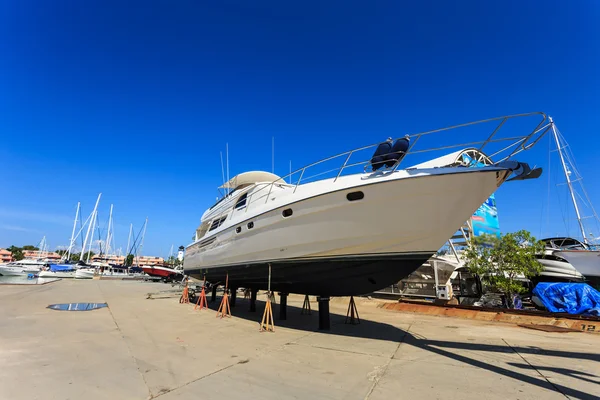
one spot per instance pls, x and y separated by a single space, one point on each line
185 295
351 311
224 310
202 302
306 306
267 323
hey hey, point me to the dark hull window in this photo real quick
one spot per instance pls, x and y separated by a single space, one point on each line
355 196
238 229
250 225
287 212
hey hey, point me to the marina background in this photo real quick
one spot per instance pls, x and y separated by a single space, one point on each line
140 107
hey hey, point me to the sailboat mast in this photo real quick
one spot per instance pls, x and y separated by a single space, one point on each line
87 234
107 242
128 240
139 249
569 183
93 225
71 242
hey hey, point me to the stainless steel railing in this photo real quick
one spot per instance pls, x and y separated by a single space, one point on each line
516 145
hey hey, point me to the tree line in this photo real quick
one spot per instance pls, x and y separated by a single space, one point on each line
18 253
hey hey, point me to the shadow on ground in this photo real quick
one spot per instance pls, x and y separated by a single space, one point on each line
381 331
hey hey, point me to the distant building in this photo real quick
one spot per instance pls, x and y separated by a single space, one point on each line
5 256
35 254
120 260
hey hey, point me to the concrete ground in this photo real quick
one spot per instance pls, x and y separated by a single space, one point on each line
141 348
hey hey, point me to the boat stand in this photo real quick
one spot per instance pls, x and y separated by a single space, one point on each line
267 324
253 293
233 297
247 293
306 306
185 298
324 322
224 309
283 306
352 313
202 302
213 296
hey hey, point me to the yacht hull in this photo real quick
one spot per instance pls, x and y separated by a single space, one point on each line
57 274
585 261
558 270
17 271
333 246
161 272
84 273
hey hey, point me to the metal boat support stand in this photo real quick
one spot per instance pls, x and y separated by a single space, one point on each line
253 293
185 298
283 306
202 302
324 323
306 306
267 323
213 296
233 296
224 309
352 314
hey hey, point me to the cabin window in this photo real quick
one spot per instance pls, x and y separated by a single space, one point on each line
216 223
238 229
250 225
241 201
222 198
353 196
287 212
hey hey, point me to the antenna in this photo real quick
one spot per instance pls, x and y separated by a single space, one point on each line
273 154
222 169
227 158
290 171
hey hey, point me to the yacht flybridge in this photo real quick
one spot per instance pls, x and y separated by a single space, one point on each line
360 225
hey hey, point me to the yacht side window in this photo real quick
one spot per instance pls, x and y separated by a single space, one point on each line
216 223
241 203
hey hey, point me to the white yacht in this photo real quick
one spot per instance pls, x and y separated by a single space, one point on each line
351 233
22 267
58 271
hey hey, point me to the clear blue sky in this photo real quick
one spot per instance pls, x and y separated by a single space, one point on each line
136 99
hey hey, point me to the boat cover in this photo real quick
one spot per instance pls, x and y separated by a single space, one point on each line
60 267
572 298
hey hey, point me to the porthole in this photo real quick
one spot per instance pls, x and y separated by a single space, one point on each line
287 212
353 196
250 225
238 229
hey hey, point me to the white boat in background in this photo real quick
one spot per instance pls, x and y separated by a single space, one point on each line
568 258
85 273
352 233
58 271
22 267
556 267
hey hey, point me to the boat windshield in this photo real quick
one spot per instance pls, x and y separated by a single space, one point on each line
222 198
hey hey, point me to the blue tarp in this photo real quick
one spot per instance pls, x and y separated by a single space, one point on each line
61 267
572 298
